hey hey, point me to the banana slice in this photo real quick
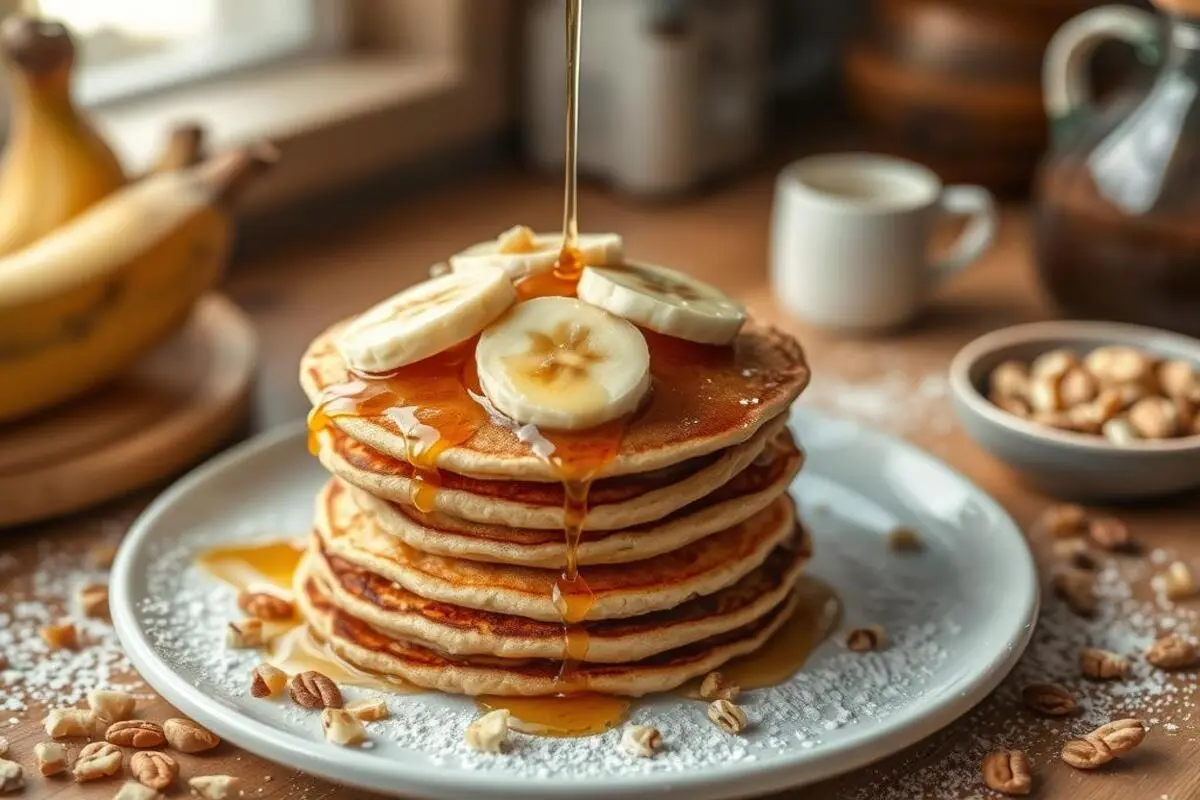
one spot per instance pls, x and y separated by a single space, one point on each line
663 300
425 319
521 252
558 363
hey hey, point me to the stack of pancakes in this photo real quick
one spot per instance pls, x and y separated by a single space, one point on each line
690 547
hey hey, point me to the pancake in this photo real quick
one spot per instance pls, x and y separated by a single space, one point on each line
370 649
613 503
703 399
620 590
455 630
746 494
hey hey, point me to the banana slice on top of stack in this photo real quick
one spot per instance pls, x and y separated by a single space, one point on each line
556 362
520 252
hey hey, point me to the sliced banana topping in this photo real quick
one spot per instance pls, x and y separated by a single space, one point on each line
521 252
664 300
424 320
561 364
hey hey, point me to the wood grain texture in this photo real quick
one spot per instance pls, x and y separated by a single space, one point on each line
329 271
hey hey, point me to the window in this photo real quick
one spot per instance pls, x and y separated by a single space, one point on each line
131 47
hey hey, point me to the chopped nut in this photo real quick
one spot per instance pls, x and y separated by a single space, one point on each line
862 640
101 556
244 633
1007 772
1154 418
727 716
1173 652
93 600
1111 534
214 787
1118 364
111 706
267 681
1180 583
154 769
1054 363
369 710
1010 380
132 790
517 239
1051 699
60 636
1085 418
1107 404
1119 431
342 727
97 760
640 741
267 602
137 733
905 540
311 689
189 737
1044 394
1119 736
1077 588
64 722
51 758
1102 665
1178 379
717 687
489 733
1062 521
1086 754
1075 552
12 776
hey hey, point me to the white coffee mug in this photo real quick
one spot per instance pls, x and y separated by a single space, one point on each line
850 238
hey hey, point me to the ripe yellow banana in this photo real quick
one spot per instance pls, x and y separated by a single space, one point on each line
55 165
80 304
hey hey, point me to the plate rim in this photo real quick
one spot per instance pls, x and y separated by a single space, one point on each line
364 770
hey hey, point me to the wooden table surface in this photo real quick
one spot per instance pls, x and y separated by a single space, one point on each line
331 269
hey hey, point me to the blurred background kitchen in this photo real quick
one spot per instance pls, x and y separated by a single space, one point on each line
410 129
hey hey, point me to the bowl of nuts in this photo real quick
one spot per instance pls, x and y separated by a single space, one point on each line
1087 410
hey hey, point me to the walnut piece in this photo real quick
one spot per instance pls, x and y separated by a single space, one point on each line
716 686
1062 521
138 733
97 760
341 727
862 640
1119 736
59 635
189 737
51 757
640 741
1102 665
111 706
267 681
727 716
1173 652
63 722
154 769
267 602
214 787
93 600
1050 699
244 633
1077 588
312 689
489 733
1086 754
12 776
1007 772
369 710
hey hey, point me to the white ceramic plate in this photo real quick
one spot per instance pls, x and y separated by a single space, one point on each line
958 617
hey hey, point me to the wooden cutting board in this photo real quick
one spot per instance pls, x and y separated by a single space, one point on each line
174 406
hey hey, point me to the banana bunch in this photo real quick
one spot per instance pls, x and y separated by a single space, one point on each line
565 363
94 270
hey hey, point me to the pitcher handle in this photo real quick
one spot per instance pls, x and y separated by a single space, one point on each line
1065 79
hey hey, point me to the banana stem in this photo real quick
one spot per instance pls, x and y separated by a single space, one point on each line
37 46
225 176
185 148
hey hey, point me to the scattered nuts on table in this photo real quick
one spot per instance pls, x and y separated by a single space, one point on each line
1102 665
1007 772
1173 652
154 769
189 737
1121 393
97 760
110 705
51 758
1050 699
1077 588
214 787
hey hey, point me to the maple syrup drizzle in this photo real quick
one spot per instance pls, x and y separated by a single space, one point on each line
240 566
572 716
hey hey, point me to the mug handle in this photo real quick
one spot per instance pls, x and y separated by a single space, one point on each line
1065 81
976 203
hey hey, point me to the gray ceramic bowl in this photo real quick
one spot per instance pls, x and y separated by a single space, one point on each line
1062 463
